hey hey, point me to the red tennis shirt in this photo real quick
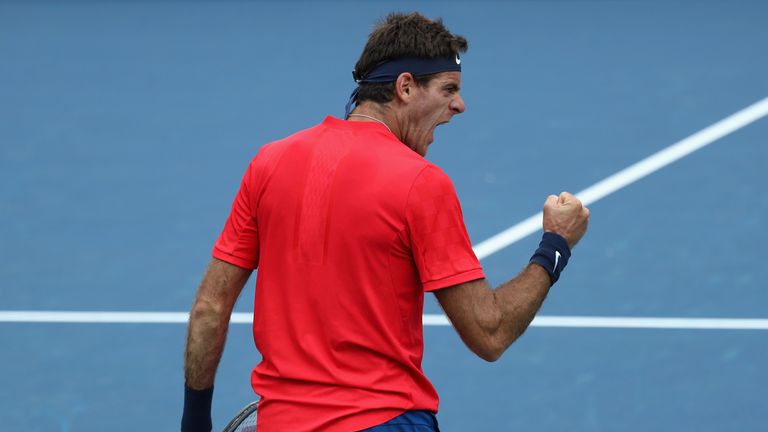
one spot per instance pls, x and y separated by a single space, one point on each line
348 228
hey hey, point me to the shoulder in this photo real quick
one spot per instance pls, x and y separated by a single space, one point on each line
431 193
274 150
431 177
432 172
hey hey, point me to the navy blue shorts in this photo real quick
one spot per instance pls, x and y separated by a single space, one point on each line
409 421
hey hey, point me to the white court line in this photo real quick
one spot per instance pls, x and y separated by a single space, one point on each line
632 174
428 319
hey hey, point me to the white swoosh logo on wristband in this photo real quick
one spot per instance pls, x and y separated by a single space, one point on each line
557 258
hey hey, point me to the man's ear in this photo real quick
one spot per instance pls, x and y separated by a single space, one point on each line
404 86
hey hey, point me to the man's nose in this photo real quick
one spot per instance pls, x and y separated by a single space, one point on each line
457 105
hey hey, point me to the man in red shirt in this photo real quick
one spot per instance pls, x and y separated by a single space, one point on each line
349 225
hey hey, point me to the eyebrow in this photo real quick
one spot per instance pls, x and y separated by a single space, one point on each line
451 85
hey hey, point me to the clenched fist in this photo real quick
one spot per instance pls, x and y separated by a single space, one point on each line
565 215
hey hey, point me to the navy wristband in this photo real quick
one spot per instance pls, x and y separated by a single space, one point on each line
197 410
552 254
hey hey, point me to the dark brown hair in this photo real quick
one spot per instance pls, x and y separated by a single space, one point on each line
404 35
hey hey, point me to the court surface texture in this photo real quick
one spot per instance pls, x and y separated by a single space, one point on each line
125 127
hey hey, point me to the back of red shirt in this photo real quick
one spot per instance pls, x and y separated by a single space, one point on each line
348 228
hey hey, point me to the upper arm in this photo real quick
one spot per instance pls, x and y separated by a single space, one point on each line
238 242
439 242
471 308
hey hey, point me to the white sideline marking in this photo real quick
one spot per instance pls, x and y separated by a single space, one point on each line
652 323
428 319
632 174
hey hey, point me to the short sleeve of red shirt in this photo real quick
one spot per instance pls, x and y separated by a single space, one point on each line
238 244
439 240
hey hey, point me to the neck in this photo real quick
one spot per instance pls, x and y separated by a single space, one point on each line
375 112
393 117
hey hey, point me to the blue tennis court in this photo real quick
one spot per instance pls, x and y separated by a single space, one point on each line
125 127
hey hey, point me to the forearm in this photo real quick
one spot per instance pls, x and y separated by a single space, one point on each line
489 320
207 331
205 342
209 321
516 302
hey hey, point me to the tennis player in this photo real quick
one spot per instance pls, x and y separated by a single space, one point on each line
349 225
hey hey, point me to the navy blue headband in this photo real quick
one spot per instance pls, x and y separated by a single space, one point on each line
417 66
389 70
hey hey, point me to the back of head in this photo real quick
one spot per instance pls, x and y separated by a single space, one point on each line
404 35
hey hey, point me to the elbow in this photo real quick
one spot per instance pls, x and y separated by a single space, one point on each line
493 356
490 357
489 350
486 341
205 311
490 343
200 309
